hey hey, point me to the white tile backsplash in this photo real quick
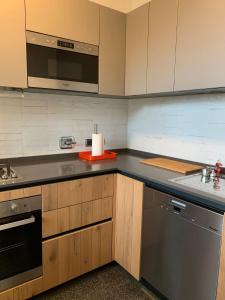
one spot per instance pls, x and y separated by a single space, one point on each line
188 127
32 123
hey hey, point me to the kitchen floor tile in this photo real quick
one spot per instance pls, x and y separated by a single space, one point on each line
108 283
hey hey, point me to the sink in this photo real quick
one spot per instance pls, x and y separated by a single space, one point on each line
212 186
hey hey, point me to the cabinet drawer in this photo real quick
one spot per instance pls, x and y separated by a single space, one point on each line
72 217
20 193
78 191
76 253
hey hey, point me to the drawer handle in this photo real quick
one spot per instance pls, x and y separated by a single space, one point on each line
179 204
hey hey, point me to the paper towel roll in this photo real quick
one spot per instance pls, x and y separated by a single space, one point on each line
97 144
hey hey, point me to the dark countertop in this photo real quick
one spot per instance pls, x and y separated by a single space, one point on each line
37 171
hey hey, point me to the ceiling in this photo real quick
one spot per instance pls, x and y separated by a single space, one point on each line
124 5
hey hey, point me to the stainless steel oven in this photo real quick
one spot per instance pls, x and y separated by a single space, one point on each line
56 63
20 241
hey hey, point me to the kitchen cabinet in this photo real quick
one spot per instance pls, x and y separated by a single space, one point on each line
28 290
13 44
8 295
23 291
72 217
112 51
76 253
20 193
128 221
50 252
221 280
70 19
200 61
136 51
161 45
77 191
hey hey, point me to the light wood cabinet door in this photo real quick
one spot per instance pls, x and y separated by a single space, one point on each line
136 51
128 222
71 19
72 217
50 197
221 279
20 193
28 289
112 51
200 60
50 252
13 44
69 256
7 295
84 190
161 45
76 253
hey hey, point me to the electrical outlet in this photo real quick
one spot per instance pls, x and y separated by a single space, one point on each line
88 142
67 142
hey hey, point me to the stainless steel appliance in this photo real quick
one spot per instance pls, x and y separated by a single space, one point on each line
20 241
56 63
180 248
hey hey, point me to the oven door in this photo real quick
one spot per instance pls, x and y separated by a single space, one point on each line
20 249
56 68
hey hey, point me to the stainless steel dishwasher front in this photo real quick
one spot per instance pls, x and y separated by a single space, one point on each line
180 248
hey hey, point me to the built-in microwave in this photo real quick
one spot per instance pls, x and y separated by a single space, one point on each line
55 63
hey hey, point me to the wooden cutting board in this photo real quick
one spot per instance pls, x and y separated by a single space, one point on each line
172 165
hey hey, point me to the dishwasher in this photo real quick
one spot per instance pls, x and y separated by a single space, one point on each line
180 248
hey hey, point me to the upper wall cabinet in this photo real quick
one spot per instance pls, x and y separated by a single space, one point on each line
13 44
136 50
70 19
112 52
200 58
161 45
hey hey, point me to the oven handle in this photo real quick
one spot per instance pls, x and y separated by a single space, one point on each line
17 223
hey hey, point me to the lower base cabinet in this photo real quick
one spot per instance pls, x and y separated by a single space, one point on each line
24 291
128 224
67 257
74 254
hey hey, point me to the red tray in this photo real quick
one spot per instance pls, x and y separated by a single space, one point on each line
107 155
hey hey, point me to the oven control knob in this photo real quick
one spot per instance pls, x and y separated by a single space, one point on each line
14 207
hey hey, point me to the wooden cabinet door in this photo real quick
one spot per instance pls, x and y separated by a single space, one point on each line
50 197
76 253
20 193
136 51
50 252
161 45
69 256
200 60
112 52
221 279
128 222
71 19
13 66
27 290
7 295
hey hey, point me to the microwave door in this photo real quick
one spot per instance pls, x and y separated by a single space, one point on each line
61 69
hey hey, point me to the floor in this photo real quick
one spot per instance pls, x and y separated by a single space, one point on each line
108 283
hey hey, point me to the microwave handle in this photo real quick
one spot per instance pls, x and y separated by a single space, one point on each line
17 223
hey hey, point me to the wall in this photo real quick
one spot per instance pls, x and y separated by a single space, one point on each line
31 124
188 127
124 5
